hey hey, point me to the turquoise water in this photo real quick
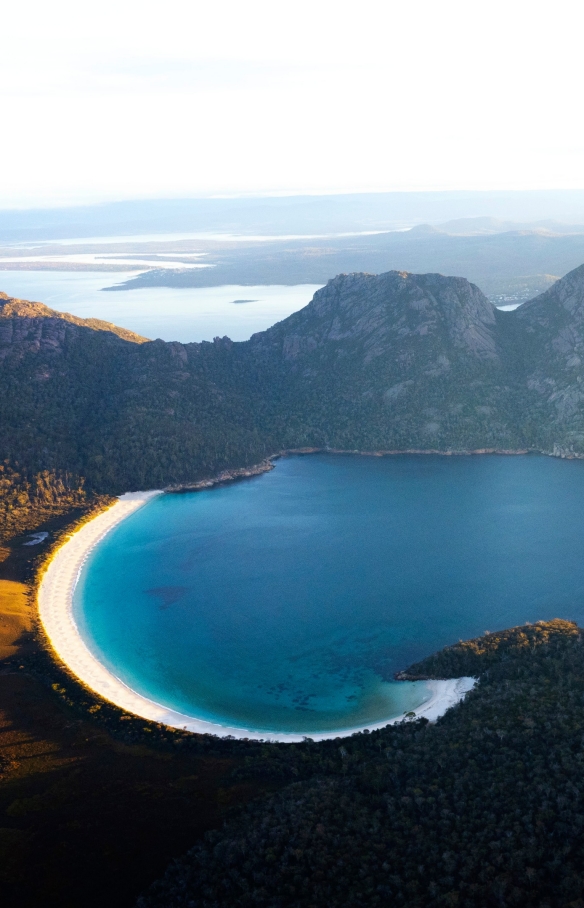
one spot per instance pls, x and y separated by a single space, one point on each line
287 602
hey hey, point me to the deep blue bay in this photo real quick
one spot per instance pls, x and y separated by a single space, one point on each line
287 602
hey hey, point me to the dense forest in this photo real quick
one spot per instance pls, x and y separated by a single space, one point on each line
28 500
389 362
483 808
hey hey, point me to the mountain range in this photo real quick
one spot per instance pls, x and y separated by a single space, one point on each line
386 362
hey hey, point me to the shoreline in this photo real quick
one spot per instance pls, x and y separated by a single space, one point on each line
224 477
267 464
55 609
394 453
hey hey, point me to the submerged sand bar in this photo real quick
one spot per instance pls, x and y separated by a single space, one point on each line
55 598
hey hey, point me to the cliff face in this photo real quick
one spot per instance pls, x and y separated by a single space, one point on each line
374 362
33 327
550 340
379 315
394 361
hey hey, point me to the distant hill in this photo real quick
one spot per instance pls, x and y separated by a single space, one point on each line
297 214
487 225
395 361
508 266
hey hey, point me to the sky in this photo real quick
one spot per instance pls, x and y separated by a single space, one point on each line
120 100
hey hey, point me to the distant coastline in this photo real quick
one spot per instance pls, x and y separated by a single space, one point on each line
392 452
266 465
55 603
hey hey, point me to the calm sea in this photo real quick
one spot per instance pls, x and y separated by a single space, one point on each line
185 315
287 602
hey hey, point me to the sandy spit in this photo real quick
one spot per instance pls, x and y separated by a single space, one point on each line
55 600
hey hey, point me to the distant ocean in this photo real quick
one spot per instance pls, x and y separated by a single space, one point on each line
287 602
185 315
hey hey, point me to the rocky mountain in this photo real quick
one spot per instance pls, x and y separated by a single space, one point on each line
375 314
388 361
115 409
395 361
24 323
551 328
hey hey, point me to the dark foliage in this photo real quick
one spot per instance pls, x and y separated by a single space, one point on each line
27 500
473 657
389 362
484 808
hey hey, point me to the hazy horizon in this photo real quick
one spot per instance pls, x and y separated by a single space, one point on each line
286 215
127 101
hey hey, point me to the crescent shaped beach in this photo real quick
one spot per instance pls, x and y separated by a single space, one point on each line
55 601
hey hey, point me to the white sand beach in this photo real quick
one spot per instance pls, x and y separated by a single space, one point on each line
55 599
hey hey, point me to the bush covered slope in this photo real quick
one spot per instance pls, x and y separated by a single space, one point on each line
389 362
484 808
28 500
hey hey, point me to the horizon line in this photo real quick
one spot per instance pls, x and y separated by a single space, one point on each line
282 194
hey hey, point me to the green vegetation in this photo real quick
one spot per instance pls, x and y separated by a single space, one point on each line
29 500
389 362
519 262
471 658
486 807
94 802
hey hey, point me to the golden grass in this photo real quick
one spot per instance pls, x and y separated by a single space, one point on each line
16 616
86 818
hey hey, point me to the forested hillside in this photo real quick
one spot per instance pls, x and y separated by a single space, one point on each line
389 362
29 499
484 808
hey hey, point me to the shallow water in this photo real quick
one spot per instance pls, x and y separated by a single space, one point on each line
287 602
186 315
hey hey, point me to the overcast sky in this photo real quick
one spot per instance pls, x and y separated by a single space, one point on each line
117 100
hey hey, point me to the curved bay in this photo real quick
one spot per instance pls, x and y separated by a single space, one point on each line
287 602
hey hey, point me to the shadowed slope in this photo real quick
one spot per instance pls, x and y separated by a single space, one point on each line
484 808
393 361
375 362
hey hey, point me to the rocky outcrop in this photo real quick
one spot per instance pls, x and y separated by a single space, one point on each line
375 314
375 363
27 327
549 340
